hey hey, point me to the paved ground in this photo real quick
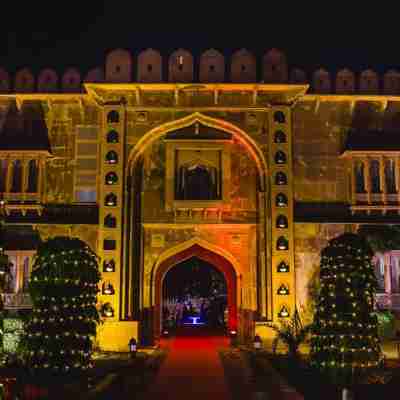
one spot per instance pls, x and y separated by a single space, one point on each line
192 369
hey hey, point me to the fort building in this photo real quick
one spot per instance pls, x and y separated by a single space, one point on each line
250 167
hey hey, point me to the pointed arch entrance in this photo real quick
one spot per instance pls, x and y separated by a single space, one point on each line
217 260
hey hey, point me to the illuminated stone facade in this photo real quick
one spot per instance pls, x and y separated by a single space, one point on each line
114 161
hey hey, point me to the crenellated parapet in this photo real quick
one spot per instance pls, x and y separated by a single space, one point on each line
149 66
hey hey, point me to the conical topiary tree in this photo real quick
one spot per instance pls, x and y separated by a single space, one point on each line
344 336
63 287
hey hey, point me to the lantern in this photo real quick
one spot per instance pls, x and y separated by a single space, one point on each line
133 347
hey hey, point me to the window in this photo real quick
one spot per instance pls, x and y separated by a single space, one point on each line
112 157
359 175
16 186
280 137
375 176
390 176
18 279
279 117
112 136
32 176
3 175
109 244
110 221
86 196
113 117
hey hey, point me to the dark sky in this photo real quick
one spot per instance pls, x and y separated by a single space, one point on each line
61 34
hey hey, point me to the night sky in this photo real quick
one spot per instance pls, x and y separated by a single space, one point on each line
62 33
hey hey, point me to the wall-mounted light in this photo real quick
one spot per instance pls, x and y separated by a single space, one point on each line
283 290
111 178
283 267
111 200
281 200
107 310
108 289
282 243
281 222
109 266
283 312
280 178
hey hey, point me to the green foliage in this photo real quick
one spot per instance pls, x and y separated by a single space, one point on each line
292 333
381 238
61 327
345 335
386 324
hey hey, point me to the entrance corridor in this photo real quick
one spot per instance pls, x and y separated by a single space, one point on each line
192 369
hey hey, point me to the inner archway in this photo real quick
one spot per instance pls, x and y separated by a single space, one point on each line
194 295
217 261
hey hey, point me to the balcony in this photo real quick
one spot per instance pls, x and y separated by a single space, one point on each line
16 301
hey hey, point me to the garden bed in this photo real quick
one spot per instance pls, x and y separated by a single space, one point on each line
312 385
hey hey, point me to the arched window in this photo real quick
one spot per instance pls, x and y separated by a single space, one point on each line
359 175
390 176
280 178
111 178
109 244
281 200
282 243
281 222
3 175
375 176
113 117
112 136
280 157
112 157
32 177
16 186
279 117
280 137
111 200
110 221
109 266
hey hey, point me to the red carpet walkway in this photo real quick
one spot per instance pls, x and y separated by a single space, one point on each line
192 370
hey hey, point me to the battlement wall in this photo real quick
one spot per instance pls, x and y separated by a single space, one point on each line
148 66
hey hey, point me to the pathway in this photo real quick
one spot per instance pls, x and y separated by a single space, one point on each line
192 369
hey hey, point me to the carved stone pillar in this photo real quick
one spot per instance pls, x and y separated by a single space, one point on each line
382 179
24 176
10 171
353 186
388 275
397 177
367 179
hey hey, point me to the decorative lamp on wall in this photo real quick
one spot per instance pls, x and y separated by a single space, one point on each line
111 200
112 137
113 117
108 289
283 312
280 137
279 117
280 178
280 157
282 243
112 157
283 267
110 221
109 266
107 310
281 200
111 178
283 290
281 222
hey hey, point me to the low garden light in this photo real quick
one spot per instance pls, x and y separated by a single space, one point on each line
133 347
257 343
233 337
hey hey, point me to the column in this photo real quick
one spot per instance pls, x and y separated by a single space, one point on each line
367 178
24 177
10 170
382 179
353 194
41 163
388 274
397 176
